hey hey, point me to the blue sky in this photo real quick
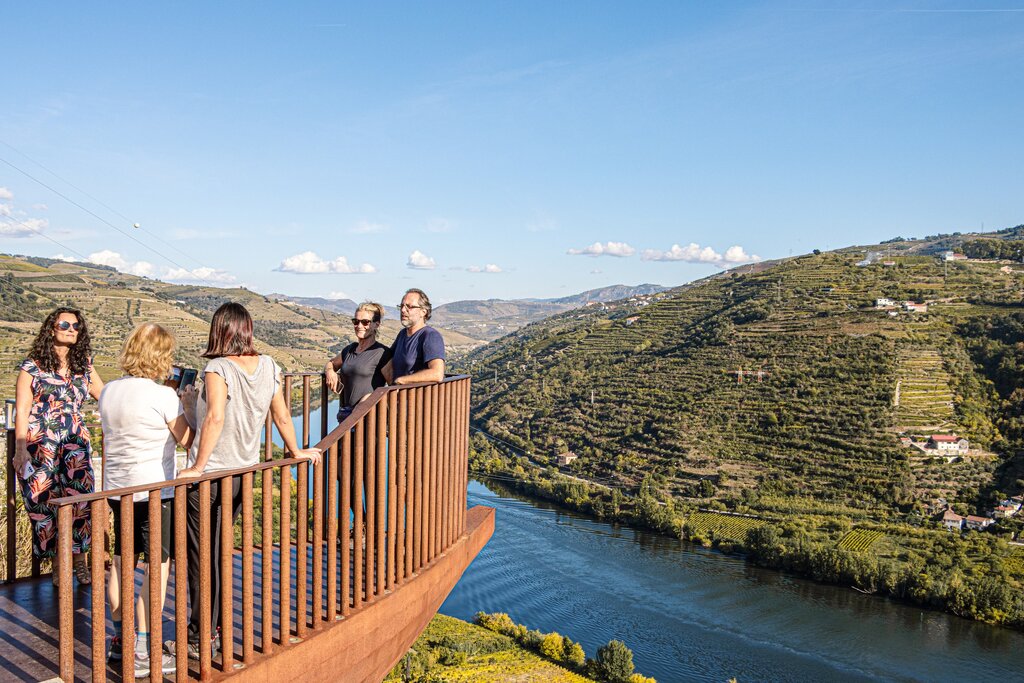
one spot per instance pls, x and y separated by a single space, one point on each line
500 149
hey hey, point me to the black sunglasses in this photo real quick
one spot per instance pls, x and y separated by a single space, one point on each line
360 321
65 326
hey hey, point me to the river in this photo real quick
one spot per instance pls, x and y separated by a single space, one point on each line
691 614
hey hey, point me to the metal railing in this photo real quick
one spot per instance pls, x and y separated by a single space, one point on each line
403 451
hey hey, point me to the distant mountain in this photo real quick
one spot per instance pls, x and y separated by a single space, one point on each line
492 318
341 306
611 293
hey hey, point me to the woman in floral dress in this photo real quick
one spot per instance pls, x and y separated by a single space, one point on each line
52 451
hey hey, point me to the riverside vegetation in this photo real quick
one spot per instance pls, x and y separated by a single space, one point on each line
497 649
760 410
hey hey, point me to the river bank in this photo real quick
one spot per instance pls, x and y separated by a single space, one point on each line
695 614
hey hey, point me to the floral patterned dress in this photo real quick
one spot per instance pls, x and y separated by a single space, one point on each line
61 463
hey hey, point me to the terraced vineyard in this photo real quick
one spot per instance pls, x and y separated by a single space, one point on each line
771 382
923 397
713 525
860 540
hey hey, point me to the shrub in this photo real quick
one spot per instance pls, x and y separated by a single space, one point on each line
552 647
615 662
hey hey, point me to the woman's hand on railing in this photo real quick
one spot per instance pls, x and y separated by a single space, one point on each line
331 377
190 473
311 454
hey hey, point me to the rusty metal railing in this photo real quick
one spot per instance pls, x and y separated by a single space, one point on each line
403 452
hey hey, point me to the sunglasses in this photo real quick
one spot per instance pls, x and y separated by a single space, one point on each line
401 306
360 321
64 326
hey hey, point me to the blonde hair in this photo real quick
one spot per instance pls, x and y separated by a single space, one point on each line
374 308
148 352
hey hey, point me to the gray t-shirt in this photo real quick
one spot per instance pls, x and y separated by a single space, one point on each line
245 414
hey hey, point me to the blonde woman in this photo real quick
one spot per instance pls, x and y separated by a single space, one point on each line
357 370
142 422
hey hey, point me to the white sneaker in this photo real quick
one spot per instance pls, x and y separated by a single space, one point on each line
142 667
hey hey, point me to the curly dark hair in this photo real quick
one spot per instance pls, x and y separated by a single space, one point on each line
79 354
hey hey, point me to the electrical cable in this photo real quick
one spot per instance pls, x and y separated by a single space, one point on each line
102 220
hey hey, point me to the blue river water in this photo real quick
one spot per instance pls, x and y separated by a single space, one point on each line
691 614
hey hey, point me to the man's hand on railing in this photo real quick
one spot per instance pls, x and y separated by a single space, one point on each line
311 454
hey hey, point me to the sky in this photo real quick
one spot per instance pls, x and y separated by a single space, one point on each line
499 149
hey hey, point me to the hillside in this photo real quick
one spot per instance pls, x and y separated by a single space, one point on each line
298 337
773 385
490 319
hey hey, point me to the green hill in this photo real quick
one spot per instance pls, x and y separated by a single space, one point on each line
297 336
778 391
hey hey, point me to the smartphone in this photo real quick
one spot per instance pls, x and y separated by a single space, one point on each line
188 378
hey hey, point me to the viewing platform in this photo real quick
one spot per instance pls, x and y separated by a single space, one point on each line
364 560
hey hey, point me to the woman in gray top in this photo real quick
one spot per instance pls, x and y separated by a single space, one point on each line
239 388
356 371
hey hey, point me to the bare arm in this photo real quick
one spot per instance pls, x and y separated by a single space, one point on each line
182 431
23 405
434 372
95 383
331 373
282 418
213 423
388 372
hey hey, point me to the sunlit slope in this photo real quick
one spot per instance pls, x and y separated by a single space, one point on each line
298 337
779 380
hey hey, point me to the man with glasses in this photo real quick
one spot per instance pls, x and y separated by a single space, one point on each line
418 352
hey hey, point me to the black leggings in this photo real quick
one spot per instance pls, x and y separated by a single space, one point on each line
215 549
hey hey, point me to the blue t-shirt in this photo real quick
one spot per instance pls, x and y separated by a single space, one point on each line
411 354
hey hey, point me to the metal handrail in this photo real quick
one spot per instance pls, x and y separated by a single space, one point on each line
403 451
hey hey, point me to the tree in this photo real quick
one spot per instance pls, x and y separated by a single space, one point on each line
574 654
615 662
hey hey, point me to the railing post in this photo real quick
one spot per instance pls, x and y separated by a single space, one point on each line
267 563
357 519
98 513
402 526
332 512
66 604
180 581
12 511
346 519
301 544
248 591
392 451
156 603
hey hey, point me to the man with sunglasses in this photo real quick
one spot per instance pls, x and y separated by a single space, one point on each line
418 352
358 369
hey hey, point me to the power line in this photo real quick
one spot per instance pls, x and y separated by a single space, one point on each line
103 204
102 219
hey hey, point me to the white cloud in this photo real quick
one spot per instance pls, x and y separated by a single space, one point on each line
40 207
368 228
202 275
30 227
420 261
5 209
617 249
108 258
141 268
309 262
64 257
489 268
596 271
337 295
5 193
115 260
694 253
440 225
